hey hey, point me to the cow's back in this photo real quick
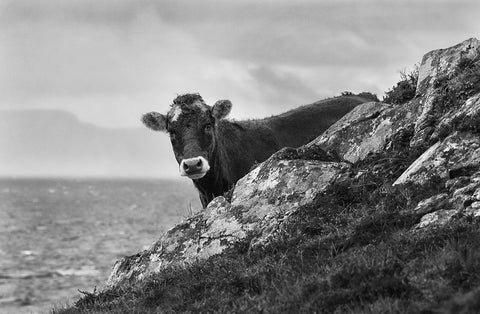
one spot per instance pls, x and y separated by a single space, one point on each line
302 125
242 144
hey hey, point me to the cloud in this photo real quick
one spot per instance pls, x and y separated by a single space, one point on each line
110 61
106 74
71 58
342 33
98 12
281 87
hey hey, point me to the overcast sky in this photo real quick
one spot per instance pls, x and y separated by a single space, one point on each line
110 61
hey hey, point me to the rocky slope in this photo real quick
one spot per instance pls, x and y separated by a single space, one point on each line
379 214
442 121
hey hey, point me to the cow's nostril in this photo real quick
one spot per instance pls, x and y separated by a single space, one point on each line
199 163
185 166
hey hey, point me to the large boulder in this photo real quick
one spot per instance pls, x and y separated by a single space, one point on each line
366 129
443 74
457 154
444 62
260 202
439 73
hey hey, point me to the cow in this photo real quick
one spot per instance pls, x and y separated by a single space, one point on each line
216 152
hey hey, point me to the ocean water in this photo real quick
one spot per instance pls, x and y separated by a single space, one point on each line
59 236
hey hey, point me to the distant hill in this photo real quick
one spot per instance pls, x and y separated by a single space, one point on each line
56 143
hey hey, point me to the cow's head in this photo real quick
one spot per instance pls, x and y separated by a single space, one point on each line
192 125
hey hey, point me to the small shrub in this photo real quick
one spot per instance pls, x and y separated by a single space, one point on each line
405 89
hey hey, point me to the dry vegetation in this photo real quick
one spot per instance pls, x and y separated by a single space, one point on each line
405 88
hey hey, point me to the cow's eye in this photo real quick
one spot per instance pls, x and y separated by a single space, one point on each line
208 127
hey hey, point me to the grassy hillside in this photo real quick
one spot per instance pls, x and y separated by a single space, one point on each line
354 250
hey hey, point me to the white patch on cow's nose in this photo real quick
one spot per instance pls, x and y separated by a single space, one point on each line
194 168
177 111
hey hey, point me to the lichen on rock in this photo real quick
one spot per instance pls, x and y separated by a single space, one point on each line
261 201
439 85
457 150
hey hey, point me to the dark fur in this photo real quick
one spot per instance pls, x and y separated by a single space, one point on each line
238 146
232 147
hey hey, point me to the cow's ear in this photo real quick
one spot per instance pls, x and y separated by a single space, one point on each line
155 121
221 109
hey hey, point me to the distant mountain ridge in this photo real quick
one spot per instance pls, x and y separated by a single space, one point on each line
56 143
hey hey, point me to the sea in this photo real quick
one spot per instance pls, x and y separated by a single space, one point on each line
60 236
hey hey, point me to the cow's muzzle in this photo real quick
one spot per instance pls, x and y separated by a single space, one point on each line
194 168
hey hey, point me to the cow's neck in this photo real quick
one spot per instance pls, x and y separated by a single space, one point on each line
220 178
211 185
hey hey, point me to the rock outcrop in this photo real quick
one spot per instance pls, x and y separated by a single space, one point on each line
260 201
441 123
